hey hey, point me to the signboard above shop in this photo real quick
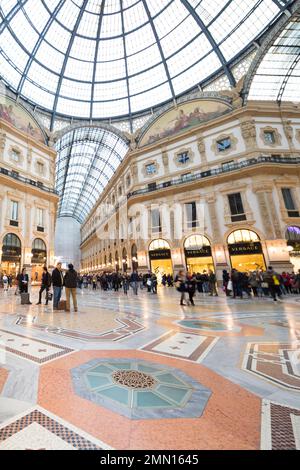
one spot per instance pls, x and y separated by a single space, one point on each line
245 248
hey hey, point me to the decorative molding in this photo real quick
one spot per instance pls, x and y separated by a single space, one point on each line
2 142
165 159
274 215
289 131
29 155
211 202
277 136
264 212
232 147
248 130
191 156
202 149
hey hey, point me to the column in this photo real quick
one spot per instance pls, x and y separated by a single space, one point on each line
27 239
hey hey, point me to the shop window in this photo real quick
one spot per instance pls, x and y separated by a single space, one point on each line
236 207
289 202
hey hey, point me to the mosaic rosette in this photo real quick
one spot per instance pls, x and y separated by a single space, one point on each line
140 390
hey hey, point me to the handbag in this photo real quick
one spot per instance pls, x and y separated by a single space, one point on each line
49 296
229 285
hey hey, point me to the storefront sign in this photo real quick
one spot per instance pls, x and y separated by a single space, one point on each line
160 254
245 248
199 252
10 253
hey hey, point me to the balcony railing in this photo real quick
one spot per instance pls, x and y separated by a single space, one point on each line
217 171
206 174
37 184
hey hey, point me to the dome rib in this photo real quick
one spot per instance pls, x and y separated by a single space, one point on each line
63 69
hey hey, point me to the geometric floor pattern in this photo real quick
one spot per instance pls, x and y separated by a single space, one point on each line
140 389
142 372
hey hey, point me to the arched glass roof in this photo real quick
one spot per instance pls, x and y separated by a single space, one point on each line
278 75
106 58
87 159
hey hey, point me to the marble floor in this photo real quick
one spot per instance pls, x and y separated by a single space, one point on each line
142 372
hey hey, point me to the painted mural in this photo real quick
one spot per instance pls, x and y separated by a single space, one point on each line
19 118
182 118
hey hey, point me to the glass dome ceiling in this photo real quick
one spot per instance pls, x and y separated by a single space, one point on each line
87 159
99 59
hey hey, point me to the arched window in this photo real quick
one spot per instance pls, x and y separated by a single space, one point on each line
39 252
39 244
196 242
11 240
292 234
159 244
242 236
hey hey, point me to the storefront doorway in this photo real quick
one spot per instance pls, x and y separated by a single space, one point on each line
198 255
292 236
160 258
38 260
11 255
245 251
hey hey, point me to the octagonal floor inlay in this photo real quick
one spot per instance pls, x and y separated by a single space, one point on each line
139 390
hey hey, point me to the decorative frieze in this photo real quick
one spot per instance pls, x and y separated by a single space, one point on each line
248 130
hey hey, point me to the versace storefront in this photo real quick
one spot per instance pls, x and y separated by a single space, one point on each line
198 255
160 258
245 251
11 254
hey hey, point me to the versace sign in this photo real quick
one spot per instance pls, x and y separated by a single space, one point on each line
250 248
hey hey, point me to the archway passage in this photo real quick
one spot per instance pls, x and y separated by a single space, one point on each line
11 254
292 236
198 254
160 258
39 259
245 251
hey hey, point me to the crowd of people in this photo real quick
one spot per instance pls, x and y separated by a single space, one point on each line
235 284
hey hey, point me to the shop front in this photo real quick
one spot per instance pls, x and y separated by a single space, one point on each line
11 255
245 250
38 259
198 255
292 236
160 258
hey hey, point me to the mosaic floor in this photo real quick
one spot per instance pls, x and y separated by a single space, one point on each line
144 373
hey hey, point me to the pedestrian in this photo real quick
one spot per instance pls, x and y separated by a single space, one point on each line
191 287
134 280
46 284
70 283
180 286
57 282
212 283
